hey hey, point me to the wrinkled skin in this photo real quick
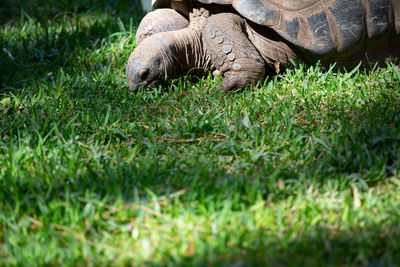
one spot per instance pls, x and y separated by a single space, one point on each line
149 63
165 55
243 52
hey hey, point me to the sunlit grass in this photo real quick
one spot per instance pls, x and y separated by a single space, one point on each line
301 170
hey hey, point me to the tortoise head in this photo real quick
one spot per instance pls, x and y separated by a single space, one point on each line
151 62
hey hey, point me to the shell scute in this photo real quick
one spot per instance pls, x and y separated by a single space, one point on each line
319 26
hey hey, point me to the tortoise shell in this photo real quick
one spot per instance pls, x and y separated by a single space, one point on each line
319 26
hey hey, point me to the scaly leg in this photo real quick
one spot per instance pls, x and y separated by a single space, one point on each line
231 52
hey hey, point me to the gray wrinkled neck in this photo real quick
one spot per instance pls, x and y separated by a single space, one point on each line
188 49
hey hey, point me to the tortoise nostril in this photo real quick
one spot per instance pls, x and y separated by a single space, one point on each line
144 74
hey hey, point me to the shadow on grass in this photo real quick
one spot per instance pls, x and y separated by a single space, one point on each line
365 148
47 10
371 245
56 33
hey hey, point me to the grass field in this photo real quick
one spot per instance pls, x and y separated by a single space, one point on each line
302 170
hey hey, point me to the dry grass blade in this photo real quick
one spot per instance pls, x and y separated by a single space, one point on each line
190 140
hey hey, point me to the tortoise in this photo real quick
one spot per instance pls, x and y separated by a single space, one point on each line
245 40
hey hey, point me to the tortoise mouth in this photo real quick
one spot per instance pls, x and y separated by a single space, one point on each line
136 87
152 84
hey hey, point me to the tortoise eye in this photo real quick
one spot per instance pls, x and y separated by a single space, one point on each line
144 74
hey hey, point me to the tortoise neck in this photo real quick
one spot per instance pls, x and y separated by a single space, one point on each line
189 52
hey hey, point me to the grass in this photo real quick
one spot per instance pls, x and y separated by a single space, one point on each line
302 170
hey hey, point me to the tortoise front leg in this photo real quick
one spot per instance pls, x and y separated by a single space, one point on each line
231 52
160 20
